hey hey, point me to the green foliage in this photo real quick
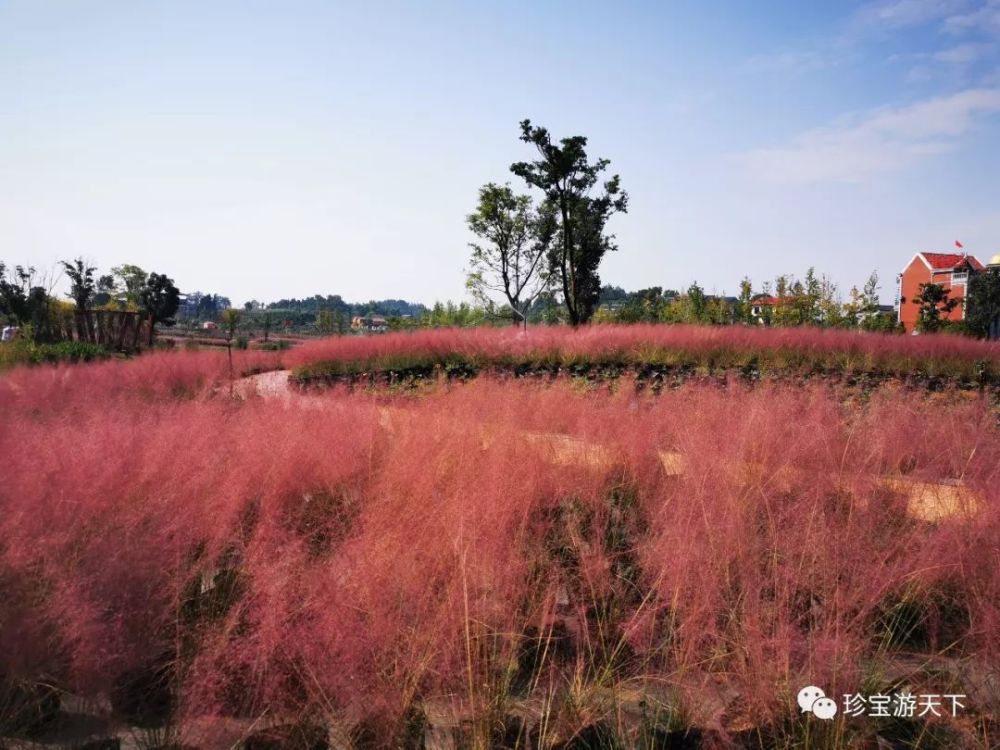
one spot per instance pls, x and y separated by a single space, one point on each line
267 324
303 311
934 305
509 260
129 283
231 320
15 291
24 303
882 323
982 315
744 306
643 306
325 322
276 346
25 350
696 305
449 314
208 306
82 284
159 300
566 178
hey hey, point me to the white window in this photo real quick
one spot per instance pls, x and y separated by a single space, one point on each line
959 277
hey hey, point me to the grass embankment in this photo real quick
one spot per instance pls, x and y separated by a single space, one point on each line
650 351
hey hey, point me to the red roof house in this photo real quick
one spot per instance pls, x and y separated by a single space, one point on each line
950 270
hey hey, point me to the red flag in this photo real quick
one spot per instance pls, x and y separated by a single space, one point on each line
958 244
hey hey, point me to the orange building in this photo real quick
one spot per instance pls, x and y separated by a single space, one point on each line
950 270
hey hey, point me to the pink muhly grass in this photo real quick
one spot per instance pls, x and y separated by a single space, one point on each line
156 376
383 551
667 344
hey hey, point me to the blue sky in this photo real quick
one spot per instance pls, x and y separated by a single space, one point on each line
274 149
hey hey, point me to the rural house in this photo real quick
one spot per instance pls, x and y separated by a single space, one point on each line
369 324
762 308
950 270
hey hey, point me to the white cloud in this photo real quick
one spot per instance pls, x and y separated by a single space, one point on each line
895 14
963 54
853 149
984 18
790 61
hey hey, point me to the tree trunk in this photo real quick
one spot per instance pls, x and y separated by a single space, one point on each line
569 291
229 351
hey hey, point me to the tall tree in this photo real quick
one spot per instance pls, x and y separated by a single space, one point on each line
82 284
812 294
231 320
933 301
868 311
130 280
982 316
104 291
510 259
267 324
566 177
15 290
829 309
744 305
208 306
324 322
159 300
784 312
697 304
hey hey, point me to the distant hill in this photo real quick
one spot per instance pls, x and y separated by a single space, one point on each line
335 303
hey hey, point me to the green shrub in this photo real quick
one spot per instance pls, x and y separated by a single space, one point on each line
24 351
276 346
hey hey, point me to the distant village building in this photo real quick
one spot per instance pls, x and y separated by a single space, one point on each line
950 270
762 308
369 324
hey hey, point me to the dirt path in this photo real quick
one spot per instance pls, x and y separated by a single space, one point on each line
273 384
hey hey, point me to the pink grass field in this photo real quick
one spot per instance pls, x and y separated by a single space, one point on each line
348 556
644 343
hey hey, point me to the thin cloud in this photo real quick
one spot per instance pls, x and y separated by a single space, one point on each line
791 61
984 18
873 21
897 14
963 54
883 141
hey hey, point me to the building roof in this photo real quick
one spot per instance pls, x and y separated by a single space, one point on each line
947 261
765 301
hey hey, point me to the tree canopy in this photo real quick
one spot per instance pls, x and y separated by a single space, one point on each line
159 300
510 258
934 303
566 178
82 283
982 315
